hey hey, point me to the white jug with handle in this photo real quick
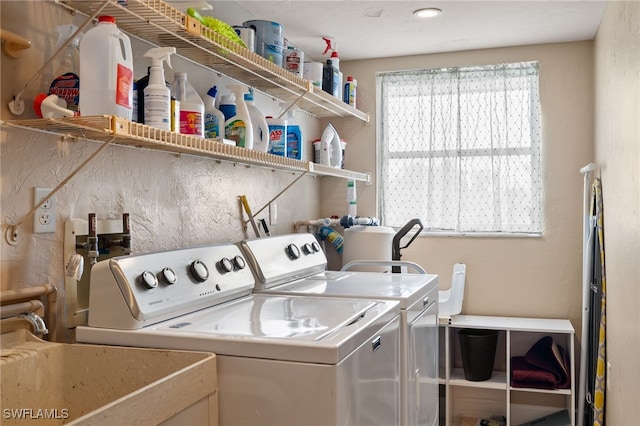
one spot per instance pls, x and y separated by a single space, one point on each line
330 148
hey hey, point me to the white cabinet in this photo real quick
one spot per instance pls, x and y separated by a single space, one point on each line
496 396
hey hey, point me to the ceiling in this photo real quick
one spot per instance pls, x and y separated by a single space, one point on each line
363 29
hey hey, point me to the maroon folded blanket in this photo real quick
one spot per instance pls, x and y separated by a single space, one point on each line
545 366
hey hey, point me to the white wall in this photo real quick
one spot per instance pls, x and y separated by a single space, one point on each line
533 277
174 201
617 154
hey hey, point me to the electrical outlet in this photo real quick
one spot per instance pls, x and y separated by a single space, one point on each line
44 218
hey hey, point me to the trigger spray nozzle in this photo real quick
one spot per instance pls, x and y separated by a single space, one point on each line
159 54
329 45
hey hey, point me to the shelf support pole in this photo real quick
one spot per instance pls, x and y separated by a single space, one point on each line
12 230
276 197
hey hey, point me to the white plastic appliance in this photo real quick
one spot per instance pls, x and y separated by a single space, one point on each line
294 264
282 360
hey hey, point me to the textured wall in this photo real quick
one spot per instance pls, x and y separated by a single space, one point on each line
174 200
617 141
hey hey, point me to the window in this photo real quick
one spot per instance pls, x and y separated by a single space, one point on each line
460 149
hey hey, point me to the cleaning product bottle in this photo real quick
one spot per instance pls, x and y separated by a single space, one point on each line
331 75
277 136
157 96
238 128
295 141
350 91
330 78
191 105
336 240
259 124
228 106
66 84
213 117
106 71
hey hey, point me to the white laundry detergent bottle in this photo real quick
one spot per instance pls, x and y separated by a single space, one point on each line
238 128
259 124
191 106
106 71
157 96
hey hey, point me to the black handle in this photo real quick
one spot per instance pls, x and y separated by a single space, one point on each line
395 249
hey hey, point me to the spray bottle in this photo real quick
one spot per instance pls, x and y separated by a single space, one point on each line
259 124
239 128
66 84
157 96
331 75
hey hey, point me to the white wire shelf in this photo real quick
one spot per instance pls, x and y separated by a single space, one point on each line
108 128
161 24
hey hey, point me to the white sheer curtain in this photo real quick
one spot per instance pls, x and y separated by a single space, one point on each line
460 148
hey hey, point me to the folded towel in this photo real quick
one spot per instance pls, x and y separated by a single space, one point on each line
545 366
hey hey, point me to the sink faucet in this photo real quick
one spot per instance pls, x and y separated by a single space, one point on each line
37 323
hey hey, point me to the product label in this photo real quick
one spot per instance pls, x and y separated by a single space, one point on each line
124 86
293 144
67 87
211 126
236 131
277 141
191 123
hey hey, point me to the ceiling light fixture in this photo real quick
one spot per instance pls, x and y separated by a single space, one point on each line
428 12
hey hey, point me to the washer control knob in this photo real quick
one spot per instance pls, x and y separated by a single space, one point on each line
239 262
149 279
169 276
306 248
225 265
315 247
293 251
199 270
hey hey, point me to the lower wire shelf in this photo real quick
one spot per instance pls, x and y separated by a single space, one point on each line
108 128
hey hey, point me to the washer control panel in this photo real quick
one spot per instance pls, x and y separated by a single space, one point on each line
157 286
284 258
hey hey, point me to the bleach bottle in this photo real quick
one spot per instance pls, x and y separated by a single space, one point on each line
191 106
259 124
157 96
106 71
213 117
239 128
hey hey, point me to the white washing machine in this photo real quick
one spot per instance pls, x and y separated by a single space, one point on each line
282 360
294 264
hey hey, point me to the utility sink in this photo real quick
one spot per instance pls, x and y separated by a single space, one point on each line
46 383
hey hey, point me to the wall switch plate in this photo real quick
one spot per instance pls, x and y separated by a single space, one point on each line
273 214
44 218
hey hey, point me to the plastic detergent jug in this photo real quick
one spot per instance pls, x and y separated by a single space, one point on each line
277 136
269 39
330 147
191 105
259 124
213 117
106 71
295 141
157 96
238 128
